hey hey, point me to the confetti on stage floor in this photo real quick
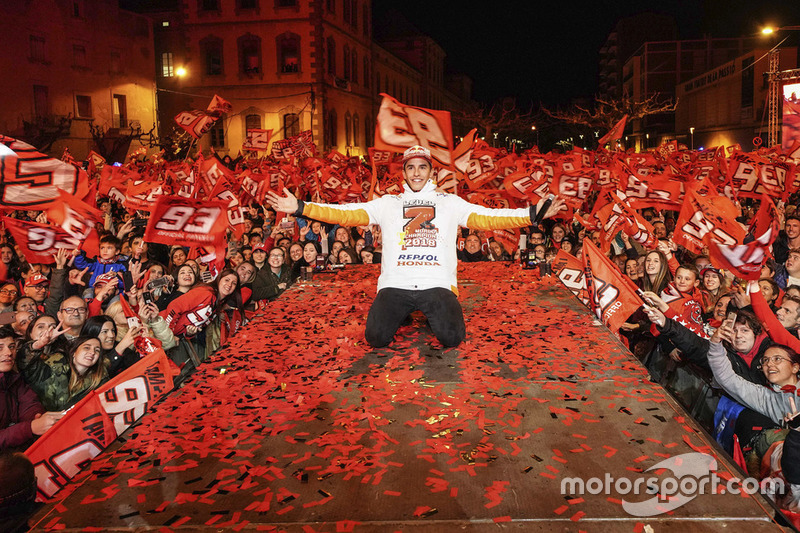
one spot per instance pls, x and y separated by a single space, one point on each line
298 425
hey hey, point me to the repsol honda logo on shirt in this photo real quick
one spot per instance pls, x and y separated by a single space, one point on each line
418 231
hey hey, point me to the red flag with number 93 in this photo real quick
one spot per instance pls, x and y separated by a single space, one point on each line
187 222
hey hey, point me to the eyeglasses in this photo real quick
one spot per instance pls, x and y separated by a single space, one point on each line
39 287
74 310
7 291
775 360
276 256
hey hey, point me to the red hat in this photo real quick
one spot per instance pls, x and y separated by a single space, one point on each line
36 279
416 151
710 269
102 279
260 246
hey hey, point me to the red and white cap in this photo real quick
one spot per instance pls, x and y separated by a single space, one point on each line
36 279
102 279
416 151
260 247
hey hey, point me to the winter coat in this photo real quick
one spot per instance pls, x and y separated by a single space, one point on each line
19 406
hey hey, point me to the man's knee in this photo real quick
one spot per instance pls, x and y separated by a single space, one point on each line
378 339
451 339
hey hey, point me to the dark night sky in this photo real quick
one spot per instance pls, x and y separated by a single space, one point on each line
547 51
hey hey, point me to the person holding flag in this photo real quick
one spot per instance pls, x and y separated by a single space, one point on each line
419 262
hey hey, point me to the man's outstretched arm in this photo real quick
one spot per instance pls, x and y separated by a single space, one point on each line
484 218
344 214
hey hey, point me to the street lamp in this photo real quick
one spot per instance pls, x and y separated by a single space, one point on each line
691 132
180 72
533 128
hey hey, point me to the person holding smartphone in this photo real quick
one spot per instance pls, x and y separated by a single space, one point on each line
418 269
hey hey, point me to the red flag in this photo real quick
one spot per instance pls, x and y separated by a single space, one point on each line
303 145
81 434
176 220
746 260
196 123
569 269
612 294
615 133
400 127
31 180
40 242
705 219
218 106
77 219
257 140
126 397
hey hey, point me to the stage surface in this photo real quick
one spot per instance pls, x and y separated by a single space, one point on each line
296 425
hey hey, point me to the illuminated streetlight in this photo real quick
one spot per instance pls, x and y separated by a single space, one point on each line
691 132
180 72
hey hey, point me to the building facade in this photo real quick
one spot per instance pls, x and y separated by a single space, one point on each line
79 63
659 67
289 66
725 105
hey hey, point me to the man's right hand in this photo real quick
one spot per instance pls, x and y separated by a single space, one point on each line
287 204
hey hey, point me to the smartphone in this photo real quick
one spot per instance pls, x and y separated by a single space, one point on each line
127 280
7 318
147 296
545 206
731 317
139 222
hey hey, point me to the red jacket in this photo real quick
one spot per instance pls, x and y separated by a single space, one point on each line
195 308
19 406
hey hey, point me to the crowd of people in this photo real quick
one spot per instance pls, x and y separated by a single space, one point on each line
69 326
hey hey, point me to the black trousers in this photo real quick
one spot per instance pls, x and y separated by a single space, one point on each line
392 306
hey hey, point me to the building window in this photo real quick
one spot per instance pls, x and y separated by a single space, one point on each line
83 106
331 56
348 129
209 5
369 129
249 54
356 131
366 72
217 133
165 24
354 70
348 9
331 5
252 122
288 52
116 61
76 9
37 48
212 55
330 129
247 4
346 58
285 3
291 125
41 103
365 23
354 16
78 55
167 68
119 116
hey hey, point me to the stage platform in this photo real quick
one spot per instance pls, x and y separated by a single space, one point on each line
298 426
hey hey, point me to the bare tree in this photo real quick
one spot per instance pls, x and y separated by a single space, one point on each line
42 132
501 117
606 113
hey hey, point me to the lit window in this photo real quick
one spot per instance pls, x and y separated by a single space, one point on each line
217 133
291 125
165 24
167 69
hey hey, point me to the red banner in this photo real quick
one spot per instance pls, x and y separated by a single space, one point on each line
401 127
187 222
94 422
196 123
746 260
81 434
705 219
611 293
257 140
79 220
31 180
569 270
39 242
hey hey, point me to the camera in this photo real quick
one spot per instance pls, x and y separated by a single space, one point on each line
528 259
163 281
